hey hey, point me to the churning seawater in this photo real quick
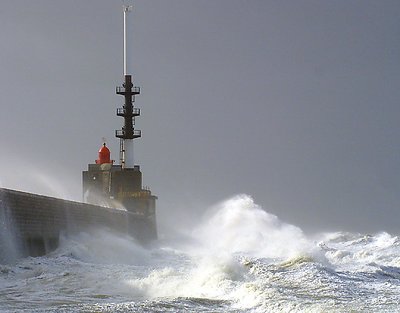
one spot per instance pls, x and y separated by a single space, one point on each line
238 259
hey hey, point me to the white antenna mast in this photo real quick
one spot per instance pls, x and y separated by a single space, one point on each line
128 112
126 8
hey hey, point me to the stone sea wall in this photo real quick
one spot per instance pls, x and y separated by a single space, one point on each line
38 221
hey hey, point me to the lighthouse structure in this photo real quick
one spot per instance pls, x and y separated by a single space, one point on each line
128 132
120 185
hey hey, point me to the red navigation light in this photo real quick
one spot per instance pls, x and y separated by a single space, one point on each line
104 155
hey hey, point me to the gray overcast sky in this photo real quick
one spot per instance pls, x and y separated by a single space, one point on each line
295 103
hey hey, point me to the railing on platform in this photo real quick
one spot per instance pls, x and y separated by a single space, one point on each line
122 90
122 111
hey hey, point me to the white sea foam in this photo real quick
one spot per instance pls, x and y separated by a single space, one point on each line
358 253
230 233
246 256
238 259
238 225
104 247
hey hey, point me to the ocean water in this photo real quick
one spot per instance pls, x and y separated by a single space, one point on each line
238 259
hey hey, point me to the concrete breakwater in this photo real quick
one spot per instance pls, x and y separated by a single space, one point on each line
35 222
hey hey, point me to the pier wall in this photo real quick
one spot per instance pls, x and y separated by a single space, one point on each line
38 221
